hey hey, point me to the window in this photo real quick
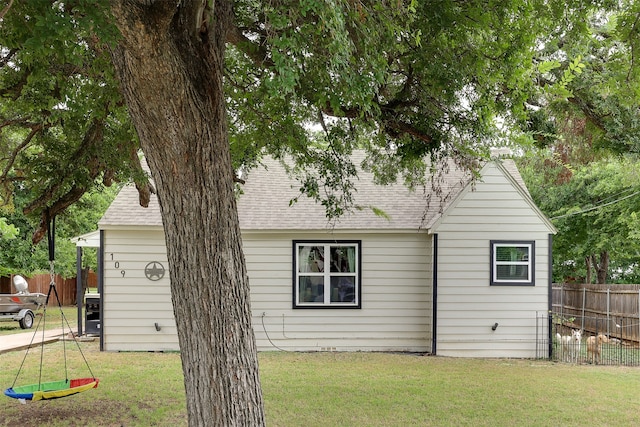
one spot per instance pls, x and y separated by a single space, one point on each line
326 274
512 262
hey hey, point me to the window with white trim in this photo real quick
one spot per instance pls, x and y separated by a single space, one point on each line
512 262
326 274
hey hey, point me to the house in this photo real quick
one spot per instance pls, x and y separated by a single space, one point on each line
462 272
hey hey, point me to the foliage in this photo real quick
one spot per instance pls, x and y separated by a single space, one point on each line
590 82
64 128
402 80
19 256
595 211
7 231
586 117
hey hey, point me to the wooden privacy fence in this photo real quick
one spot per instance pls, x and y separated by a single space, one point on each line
610 309
40 283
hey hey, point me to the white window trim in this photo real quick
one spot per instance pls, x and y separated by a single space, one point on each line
327 274
530 263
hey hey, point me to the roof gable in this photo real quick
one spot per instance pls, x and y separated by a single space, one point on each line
508 170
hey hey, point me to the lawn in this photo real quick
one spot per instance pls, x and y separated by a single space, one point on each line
337 389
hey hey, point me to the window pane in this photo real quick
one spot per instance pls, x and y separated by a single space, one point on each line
311 289
310 259
343 289
512 253
343 259
513 272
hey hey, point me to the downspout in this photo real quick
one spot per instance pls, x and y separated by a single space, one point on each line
101 287
434 308
550 293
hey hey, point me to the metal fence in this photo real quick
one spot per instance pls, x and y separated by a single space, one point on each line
611 312
543 349
602 346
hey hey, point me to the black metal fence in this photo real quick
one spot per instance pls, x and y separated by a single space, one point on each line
608 340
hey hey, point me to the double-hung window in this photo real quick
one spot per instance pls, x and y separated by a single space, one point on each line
512 262
326 274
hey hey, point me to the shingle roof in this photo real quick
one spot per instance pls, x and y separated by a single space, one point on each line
265 203
268 191
125 210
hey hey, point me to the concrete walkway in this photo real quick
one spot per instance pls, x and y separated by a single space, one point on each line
21 341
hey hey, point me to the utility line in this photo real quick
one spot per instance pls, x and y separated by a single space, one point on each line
597 207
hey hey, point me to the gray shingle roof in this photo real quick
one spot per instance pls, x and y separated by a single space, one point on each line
125 210
268 190
265 204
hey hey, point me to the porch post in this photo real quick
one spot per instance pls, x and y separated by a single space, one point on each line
79 293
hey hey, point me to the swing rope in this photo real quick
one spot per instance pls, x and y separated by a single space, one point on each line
53 390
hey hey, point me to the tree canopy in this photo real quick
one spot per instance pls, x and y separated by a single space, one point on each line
205 87
18 255
596 213
586 125
401 79
64 127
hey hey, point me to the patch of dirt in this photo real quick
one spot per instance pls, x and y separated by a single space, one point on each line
65 412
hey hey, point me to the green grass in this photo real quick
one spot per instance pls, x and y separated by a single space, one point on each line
341 389
53 320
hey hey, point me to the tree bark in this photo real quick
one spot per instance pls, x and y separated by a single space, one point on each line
602 267
170 64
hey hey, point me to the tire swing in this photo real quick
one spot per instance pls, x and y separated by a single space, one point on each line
60 388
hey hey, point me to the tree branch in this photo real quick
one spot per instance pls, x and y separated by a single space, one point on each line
58 206
589 111
14 154
257 52
93 137
396 128
145 189
6 9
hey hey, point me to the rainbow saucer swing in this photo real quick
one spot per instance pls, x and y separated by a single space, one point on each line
52 389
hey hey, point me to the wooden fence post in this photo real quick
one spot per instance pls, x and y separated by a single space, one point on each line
608 311
562 302
584 303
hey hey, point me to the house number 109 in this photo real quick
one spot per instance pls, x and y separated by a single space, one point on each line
116 265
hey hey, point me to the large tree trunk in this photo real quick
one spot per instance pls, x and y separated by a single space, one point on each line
170 63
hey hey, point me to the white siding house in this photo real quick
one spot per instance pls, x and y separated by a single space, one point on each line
499 210
416 279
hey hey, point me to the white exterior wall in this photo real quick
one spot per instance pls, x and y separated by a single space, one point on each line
396 296
467 305
132 304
